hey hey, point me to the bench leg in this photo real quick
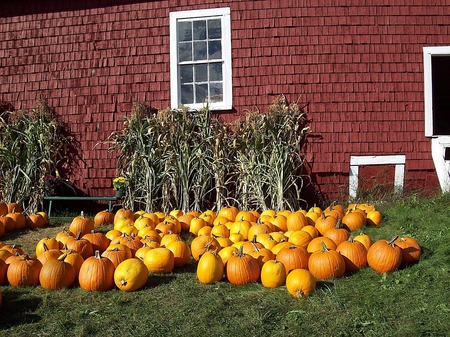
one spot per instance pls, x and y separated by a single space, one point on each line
50 208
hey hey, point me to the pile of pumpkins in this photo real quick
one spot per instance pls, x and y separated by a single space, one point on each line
275 248
12 218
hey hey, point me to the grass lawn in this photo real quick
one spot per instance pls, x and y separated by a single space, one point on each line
412 301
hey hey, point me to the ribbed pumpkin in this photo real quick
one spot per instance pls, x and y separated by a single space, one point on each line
80 245
325 264
104 217
210 268
316 244
365 239
48 254
300 283
300 238
57 274
159 260
273 274
296 221
242 269
202 244
354 220
293 257
325 222
19 219
338 234
226 253
374 218
123 213
24 271
35 220
131 275
46 244
81 223
96 273
354 253
181 252
384 256
411 249
98 241
117 253
228 212
75 259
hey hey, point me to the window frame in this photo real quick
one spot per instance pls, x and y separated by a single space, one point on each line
224 15
428 52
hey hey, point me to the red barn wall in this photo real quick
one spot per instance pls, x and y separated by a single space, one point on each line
359 67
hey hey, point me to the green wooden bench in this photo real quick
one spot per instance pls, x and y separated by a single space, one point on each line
78 198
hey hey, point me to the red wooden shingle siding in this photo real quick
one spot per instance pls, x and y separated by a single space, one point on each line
359 67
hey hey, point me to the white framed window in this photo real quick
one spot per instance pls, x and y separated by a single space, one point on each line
437 89
200 59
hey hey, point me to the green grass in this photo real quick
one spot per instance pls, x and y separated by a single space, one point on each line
413 301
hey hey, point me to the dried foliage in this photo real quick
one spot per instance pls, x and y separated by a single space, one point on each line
33 145
183 159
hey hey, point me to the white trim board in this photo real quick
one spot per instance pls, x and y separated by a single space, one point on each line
357 161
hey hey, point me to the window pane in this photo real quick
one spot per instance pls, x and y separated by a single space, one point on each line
201 93
199 51
199 30
185 52
184 31
214 29
187 94
201 73
215 72
216 92
186 74
215 50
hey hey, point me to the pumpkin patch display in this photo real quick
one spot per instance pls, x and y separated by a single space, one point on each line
287 247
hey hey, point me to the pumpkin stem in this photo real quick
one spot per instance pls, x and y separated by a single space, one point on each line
324 247
62 257
97 254
79 234
391 243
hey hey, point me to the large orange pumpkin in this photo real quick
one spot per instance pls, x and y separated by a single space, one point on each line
384 256
326 264
242 269
96 273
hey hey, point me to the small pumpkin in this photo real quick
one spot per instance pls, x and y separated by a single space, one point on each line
273 274
411 249
202 244
300 283
181 252
104 217
293 257
159 260
210 268
131 275
81 223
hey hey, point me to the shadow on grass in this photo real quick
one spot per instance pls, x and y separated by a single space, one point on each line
16 311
